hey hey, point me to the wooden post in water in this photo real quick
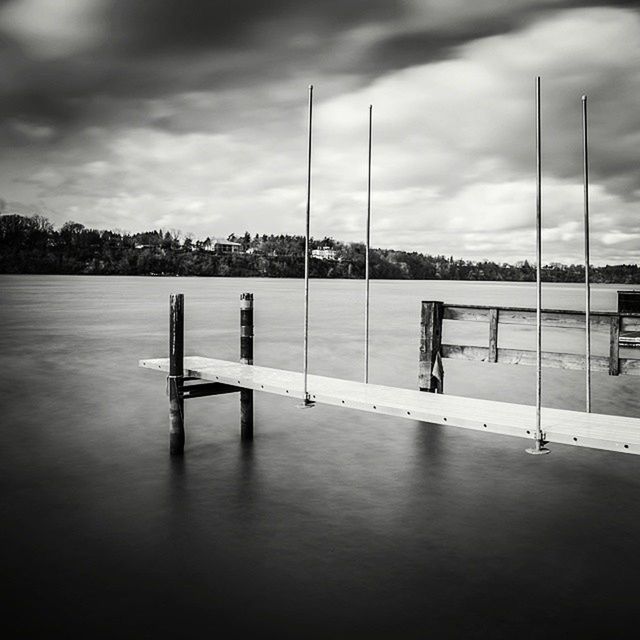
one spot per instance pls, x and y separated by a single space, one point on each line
431 319
614 346
176 374
494 317
246 357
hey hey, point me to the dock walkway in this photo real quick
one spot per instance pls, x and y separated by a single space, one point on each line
597 431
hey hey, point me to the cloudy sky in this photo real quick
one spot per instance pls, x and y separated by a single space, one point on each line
191 115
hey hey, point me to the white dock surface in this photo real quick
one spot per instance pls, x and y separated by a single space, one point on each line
597 431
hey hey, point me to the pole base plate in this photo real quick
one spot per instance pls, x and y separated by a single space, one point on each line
537 451
306 404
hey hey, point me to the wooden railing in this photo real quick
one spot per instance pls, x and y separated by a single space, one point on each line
432 349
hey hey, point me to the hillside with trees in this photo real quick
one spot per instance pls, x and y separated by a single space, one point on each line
33 245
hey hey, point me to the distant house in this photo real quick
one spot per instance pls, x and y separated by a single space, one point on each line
220 245
326 253
226 246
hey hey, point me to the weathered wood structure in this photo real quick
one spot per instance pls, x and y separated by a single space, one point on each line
197 377
434 313
181 387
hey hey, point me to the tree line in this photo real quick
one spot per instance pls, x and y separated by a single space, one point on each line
32 245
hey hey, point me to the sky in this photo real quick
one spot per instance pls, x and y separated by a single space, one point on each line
191 115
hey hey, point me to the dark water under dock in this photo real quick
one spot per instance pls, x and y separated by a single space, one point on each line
334 522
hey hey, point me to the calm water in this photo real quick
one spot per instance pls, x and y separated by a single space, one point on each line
334 523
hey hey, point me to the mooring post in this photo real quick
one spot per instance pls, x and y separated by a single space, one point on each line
430 373
246 357
614 346
175 379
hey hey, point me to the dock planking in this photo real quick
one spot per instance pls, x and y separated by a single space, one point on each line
597 431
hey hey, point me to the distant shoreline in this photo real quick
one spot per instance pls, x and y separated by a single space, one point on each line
250 277
30 245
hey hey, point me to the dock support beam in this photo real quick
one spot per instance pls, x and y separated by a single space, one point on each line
175 380
246 357
430 373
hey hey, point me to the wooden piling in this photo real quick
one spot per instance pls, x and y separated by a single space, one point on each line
246 357
614 346
175 379
430 346
493 334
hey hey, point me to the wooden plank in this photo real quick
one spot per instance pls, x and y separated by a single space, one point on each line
614 433
572 320
494 315
527 357
481 307
523 316
552 359
464 312
614 346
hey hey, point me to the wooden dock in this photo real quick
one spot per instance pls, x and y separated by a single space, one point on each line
614 433
196 377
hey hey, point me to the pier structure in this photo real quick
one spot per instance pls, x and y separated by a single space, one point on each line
181 386
191 377
618 325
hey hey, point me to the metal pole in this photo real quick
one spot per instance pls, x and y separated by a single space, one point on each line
587 284
306 401
366 260
538 447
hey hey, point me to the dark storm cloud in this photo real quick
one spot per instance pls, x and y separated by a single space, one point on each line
437 42
148 25
155 48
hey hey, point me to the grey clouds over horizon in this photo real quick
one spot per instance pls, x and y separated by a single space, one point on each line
190 115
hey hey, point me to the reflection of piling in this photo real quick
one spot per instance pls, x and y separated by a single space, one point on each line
246 357
176 374
430 374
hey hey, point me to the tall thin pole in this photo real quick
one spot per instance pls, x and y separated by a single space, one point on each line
366 259
538 447
587 284
538 262
307 401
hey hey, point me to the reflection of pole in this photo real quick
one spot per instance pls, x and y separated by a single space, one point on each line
366 260
587 284
307 401
539 442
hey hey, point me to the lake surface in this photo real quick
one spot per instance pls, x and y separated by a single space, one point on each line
333 522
